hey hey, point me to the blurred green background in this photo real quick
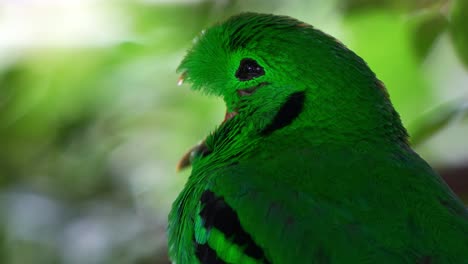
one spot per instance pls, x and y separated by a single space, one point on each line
92 122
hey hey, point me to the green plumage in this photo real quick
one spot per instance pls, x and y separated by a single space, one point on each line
312 163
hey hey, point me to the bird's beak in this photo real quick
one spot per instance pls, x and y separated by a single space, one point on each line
181 79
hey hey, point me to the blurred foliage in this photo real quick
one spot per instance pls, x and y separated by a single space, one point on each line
350 6
438 119
459 30
90 133
426 27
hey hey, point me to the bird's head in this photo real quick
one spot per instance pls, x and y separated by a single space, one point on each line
279 74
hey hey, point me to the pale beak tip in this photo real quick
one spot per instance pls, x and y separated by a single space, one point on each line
180 81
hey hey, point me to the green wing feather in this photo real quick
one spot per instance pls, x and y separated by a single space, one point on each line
295 219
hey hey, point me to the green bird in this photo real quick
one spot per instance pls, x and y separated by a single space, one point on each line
311 164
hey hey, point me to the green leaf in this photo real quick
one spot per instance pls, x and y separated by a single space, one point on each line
355 6
437 120
426 27
459 29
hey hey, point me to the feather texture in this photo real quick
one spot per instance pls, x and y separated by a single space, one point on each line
312 165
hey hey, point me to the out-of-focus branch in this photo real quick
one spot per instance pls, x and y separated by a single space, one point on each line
438 119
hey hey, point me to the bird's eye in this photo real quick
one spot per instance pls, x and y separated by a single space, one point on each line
248 70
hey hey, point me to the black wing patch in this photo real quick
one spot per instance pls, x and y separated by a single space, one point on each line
216 213
206 255
289 111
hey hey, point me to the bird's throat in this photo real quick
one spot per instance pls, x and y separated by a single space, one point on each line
201 149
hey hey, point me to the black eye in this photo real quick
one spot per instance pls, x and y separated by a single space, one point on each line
248 70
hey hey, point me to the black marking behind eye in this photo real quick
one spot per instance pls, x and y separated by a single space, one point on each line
249 69
289 111
217 214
